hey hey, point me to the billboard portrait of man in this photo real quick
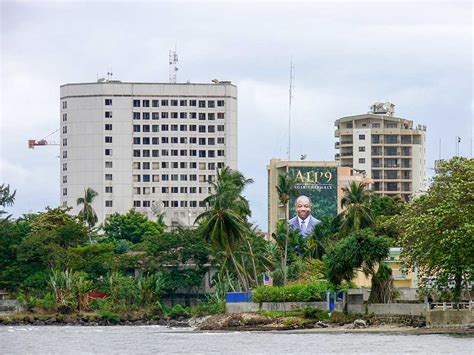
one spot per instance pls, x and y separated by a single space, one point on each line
303 221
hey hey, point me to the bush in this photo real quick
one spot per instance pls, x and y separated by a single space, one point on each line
306 292
178 311
157 309
208 307
109 316
315 313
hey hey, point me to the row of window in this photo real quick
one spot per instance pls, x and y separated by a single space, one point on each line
377 125
146 190
167 177
179 140
155 153
174 102
172 204
202 116
174 165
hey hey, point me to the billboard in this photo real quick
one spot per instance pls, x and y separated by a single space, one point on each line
320 185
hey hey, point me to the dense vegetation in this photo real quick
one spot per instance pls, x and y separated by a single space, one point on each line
53 260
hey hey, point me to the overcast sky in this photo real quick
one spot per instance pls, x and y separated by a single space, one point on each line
417 55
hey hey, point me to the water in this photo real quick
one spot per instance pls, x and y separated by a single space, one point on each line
156 340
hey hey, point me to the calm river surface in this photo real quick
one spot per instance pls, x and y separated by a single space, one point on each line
156 339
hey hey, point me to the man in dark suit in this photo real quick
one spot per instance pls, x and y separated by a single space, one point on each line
304 221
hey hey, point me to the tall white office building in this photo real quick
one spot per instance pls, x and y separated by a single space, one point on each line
389 149
149 146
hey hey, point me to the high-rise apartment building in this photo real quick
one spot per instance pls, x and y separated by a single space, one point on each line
387 148
149 146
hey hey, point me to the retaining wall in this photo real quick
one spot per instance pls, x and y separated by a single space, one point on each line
450 317
273 306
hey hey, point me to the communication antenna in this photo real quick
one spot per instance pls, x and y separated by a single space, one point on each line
173 60
290 92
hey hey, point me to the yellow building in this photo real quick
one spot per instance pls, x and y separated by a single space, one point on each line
402 278
317 175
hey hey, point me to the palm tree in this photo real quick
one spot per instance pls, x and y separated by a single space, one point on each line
357 214
87 213
285 189
224 224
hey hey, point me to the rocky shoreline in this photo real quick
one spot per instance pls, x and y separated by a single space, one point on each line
242 322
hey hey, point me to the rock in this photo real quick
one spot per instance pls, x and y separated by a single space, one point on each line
320 324
255 319
360 323
197 321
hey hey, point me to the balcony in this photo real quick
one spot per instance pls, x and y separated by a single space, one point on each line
346 154
347 142
337 145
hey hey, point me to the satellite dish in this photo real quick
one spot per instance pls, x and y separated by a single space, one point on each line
303 156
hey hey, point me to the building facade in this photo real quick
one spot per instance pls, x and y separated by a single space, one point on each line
389 149
150 146
325 178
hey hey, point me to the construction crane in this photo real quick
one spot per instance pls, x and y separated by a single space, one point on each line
32 143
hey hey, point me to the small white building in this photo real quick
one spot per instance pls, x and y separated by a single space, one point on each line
149 146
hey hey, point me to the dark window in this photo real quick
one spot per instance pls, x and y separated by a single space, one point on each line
154 103
202 116
108 102
183 103
220 103
146 128
108 126
136 140
174 102
192 102
192 115
202 103
136 103
146 103
146 115
108 139
155 115
136 115
164 102
164 127
211 104
183 115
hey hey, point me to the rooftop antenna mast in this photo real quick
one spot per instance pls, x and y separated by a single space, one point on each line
290 94
173 62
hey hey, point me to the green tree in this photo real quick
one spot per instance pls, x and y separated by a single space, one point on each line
285 189
6 199
87 213
438 227
357 214
323 236
224 223
361 249
50 235
133 226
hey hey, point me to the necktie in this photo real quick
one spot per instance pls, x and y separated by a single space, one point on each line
303 227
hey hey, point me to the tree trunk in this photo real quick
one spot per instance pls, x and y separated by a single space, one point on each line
457 287
253 262
287 232
240 277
